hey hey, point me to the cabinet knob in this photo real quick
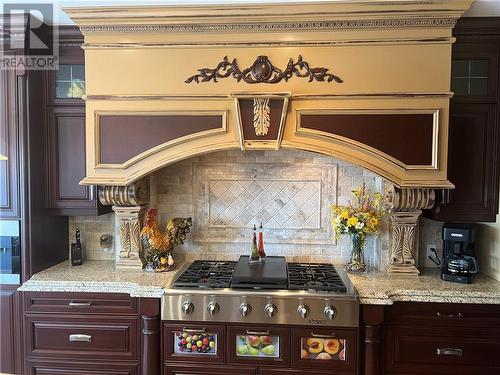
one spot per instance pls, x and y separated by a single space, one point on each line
213 308
303 311
187 308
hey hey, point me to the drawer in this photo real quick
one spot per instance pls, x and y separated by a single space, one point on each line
207 370
258 346
62 367
194 343
444 314
325 349
93 337
82 303
431 350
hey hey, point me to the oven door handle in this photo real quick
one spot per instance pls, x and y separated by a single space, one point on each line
190 330
319 336
258 333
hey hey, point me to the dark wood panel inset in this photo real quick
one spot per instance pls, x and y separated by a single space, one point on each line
192 369
81 303
406 137
106 338
121 137
41 367
432 350
7 328
247 116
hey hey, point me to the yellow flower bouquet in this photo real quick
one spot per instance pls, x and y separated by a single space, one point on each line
360 218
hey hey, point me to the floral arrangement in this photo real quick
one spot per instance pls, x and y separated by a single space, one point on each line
159 245
360 218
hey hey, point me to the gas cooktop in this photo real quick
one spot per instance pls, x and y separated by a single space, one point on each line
274 273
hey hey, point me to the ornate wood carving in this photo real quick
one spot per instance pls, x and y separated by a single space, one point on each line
406 207
131 195
261 116
263 71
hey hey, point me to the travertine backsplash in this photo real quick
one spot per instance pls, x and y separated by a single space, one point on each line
227 192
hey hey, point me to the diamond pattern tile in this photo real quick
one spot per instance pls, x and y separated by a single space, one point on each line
277 203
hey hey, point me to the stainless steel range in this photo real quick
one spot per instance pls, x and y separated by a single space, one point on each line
272 292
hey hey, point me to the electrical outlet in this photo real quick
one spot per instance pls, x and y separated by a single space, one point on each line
431 253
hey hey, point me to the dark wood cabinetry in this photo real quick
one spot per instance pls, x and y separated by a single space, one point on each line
65 133
431 338
91 333
474 135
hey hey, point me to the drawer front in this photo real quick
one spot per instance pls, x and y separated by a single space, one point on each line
62 367
429 350
444 314
259 346
82 337
207 370
86 303
194 343
325 349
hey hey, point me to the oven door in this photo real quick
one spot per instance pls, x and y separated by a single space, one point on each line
259 346
193 343
325 348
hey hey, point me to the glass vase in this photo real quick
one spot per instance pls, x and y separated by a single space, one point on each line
357 260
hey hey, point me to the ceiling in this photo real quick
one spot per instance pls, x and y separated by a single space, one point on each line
480 8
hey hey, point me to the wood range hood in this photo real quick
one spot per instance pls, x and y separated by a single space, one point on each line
367 81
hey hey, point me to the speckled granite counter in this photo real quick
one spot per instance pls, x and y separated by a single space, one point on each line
379 288
373 288
97 277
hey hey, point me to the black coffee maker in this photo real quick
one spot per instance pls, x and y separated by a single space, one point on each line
459 261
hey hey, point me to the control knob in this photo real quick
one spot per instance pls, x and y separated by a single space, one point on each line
303 311
187 308
245 309
270 310
330 312
213 308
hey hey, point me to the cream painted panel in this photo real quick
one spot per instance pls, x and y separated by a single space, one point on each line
364 69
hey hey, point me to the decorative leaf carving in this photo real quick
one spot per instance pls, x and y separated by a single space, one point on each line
263 71
135 238
124 240
261 116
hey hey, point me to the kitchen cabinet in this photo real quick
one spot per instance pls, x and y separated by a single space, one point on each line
9 147
474 133
92 333
65 134
9 327
430 338
207 370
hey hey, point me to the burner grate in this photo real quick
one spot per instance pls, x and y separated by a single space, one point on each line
314 276
206 274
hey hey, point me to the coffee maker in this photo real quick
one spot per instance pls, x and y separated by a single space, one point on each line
459 261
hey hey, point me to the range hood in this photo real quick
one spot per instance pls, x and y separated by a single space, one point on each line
365 81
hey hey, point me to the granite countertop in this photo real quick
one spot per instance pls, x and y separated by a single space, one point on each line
375 287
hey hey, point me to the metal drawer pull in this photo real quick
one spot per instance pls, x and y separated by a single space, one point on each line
322 336
79 304
258 333
450 351
79 337
459 315
201 330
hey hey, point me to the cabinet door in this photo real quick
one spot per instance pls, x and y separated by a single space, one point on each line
325 348
40 367
193 343
9 147
66 163
8 327
473 163
262 346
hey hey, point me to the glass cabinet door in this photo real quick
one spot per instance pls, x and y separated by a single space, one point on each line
193 343
261 346
325 348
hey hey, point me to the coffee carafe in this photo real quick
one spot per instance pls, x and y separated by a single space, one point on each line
459 260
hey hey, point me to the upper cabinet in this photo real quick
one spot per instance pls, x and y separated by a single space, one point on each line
9 147
65 133
474 146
